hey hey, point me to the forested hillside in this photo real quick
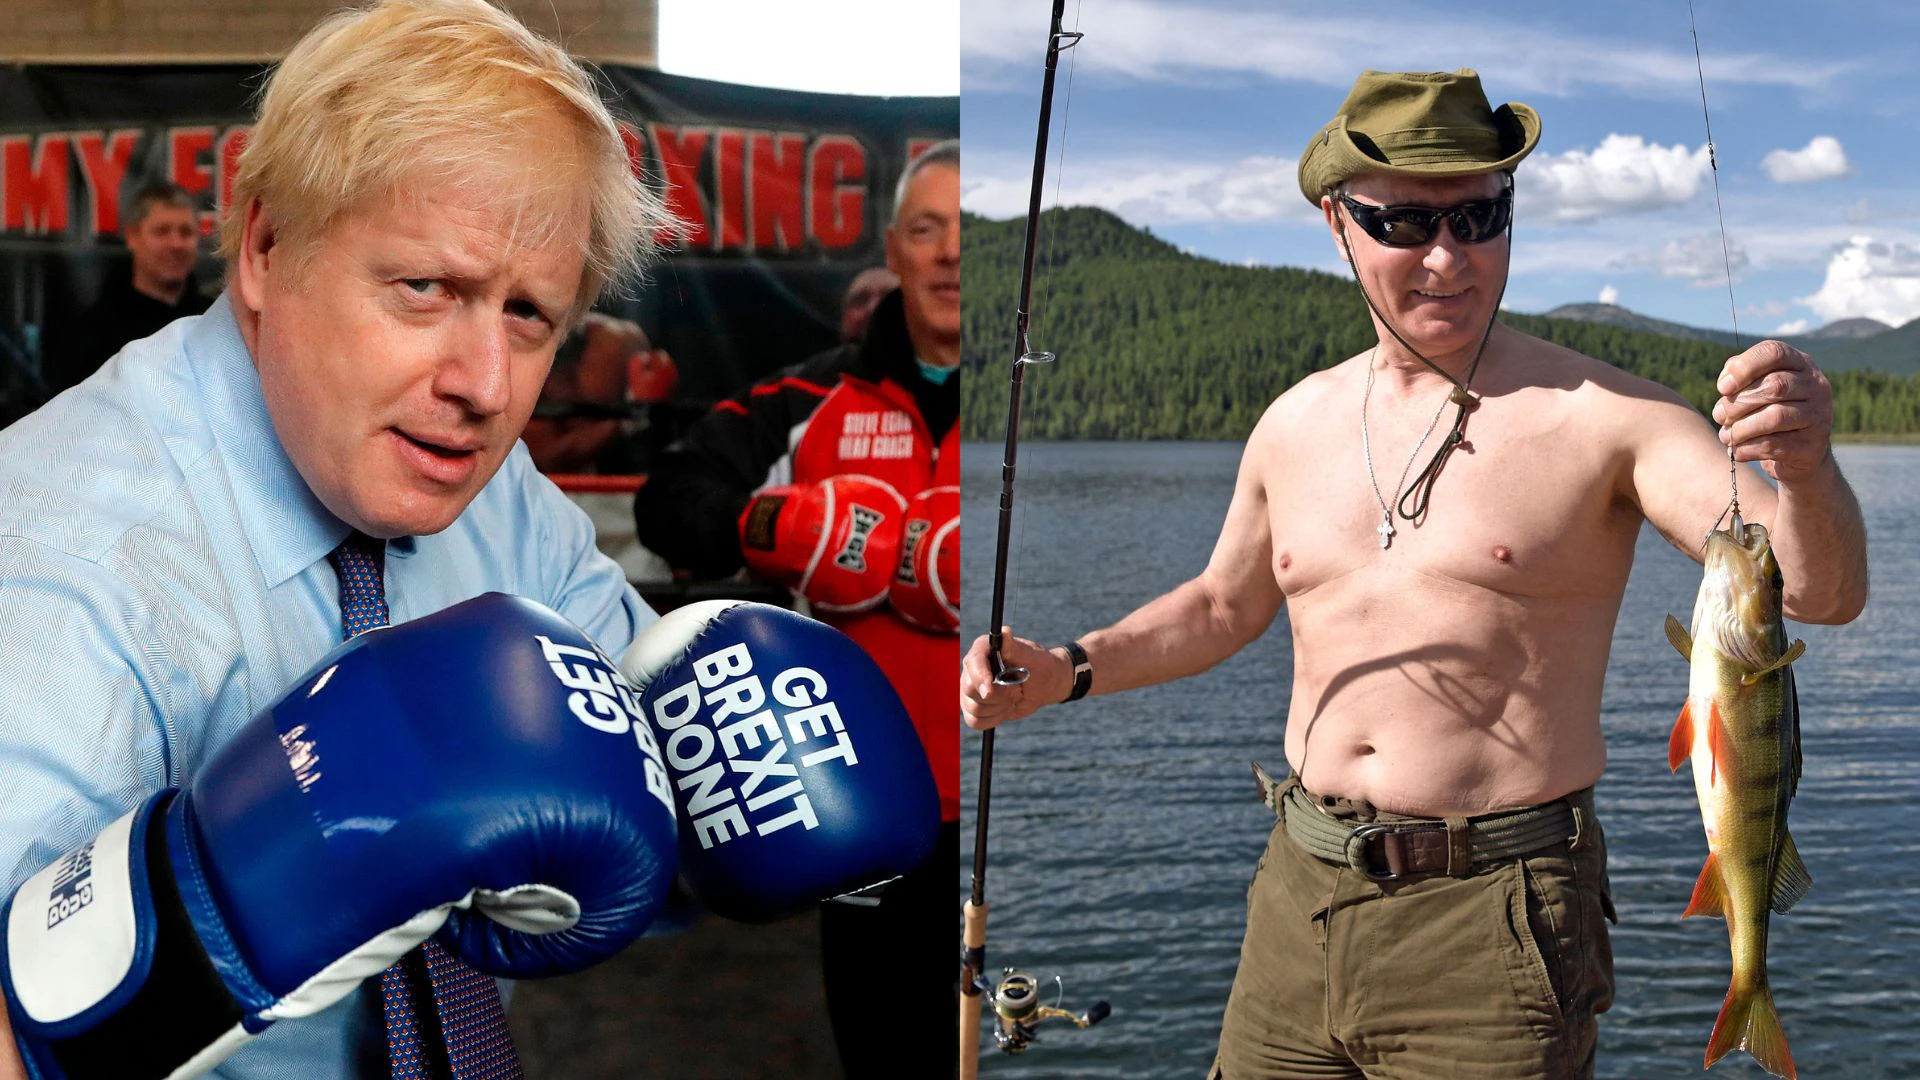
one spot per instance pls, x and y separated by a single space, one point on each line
1157 344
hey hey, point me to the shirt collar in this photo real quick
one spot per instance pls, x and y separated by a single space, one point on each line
287 527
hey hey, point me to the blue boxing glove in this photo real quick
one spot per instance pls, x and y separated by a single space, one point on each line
480 775
798 773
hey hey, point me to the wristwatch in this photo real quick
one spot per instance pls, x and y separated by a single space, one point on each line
1082 671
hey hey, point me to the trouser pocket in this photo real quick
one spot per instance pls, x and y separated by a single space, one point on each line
1567 915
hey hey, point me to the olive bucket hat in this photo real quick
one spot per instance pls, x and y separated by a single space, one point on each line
1417 123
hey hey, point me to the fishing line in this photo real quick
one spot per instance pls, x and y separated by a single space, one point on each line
1726 255
1043 311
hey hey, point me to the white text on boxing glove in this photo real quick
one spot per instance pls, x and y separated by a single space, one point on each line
736 704
603 700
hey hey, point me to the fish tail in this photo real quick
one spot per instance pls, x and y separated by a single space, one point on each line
1748 1022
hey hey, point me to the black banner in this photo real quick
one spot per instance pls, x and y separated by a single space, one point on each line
787 195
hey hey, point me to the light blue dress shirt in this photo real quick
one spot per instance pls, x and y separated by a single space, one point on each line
164 577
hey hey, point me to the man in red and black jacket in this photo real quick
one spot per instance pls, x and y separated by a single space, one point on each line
839 478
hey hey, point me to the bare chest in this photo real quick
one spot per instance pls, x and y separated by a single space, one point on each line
1525 505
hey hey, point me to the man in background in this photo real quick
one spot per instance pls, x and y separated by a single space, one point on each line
860 441
163 236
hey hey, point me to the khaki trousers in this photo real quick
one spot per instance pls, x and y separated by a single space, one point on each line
1497 974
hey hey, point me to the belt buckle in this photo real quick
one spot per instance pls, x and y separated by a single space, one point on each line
1362 835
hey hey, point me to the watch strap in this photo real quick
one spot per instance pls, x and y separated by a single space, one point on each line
1082 671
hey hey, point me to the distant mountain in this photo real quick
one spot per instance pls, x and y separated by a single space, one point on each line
1841 345
1156 343
1615 315
1847 329
1896 352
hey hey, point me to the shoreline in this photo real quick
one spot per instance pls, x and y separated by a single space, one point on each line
1869 439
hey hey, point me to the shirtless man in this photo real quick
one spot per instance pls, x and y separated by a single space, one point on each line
1449 664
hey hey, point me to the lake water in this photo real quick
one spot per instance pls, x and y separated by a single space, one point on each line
1124 830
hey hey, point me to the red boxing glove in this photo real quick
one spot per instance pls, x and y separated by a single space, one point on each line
926 583
836 542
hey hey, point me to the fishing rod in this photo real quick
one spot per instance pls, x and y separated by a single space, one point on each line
1014 997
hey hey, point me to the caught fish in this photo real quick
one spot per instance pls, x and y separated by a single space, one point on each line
1741 729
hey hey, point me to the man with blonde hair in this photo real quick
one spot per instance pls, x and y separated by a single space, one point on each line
431 197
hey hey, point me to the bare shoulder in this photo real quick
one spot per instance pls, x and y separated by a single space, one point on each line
1604 395
1294 411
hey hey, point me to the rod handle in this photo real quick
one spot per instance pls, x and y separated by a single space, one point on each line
975 940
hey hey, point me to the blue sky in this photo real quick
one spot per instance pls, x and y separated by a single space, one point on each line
1187 116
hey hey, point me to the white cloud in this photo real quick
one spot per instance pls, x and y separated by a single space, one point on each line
1793 326
1624 174
1609 294
1698 259
1822 159
1147 191
1158 41
1865 212
1875 279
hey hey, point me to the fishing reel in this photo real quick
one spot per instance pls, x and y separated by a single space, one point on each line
1016 1006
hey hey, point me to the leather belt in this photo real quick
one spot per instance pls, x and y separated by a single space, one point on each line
1388 850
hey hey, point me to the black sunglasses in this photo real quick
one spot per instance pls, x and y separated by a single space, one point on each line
1473 222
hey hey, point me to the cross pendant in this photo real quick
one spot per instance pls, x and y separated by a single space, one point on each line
1385 530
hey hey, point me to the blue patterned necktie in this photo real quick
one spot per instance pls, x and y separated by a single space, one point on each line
465 1005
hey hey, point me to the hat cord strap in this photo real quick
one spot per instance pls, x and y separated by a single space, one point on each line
1463 397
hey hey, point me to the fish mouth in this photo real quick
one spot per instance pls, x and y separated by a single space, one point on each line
1738 608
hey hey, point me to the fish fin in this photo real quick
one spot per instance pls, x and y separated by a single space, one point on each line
1709 894
1794 652
1791 696
1680 743
1748 1021
1681 640
1790 878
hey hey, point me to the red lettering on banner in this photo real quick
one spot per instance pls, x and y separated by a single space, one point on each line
103 165
779 177
916 147
730 183
837 201
680 151
232 142
184 147
34 177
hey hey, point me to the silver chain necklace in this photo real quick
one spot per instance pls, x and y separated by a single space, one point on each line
1385 528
